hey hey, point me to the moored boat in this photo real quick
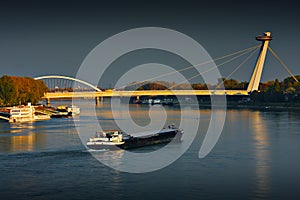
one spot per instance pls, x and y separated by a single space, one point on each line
25 114
60 112
114 139
65 111
73 110
151 101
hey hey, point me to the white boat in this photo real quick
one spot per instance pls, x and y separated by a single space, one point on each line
106 139
73 110
156 101
25 114
152 101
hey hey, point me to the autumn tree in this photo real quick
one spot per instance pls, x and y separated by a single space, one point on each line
16 90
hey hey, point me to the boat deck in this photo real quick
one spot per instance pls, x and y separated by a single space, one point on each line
151 133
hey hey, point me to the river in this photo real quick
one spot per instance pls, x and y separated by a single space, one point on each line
256 157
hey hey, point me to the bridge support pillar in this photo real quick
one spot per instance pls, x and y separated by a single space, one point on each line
255 79
48 101
98 100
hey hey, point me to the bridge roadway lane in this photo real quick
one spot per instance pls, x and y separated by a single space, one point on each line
116 93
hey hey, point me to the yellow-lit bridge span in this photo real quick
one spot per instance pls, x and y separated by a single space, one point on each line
116 93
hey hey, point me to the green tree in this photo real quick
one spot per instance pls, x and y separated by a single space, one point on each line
277 85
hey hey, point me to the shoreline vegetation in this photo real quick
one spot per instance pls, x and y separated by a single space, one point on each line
15 90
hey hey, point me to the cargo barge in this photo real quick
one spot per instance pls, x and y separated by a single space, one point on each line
115 139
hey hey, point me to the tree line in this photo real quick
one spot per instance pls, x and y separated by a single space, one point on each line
16 90
270 91
278 91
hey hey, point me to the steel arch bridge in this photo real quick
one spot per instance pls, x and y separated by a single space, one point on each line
70 79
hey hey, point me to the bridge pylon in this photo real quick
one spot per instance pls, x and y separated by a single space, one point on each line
255 79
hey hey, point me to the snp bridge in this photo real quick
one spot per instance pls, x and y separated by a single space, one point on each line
97 93
120 93
115 93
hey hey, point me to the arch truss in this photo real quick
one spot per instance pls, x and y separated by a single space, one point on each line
55 82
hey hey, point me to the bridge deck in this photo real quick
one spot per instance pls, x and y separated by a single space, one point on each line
116 93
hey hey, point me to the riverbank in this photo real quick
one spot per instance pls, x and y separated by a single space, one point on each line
278 106
270 106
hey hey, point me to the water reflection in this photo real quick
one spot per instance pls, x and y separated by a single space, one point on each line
111 158
19 143
23 143
20 137
262 155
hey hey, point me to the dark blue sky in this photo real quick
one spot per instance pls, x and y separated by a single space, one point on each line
53 37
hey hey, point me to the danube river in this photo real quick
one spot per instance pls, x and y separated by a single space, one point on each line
256 157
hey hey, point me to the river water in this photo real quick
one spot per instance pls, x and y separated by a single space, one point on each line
256 157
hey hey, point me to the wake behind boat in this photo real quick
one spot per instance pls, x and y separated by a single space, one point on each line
115 139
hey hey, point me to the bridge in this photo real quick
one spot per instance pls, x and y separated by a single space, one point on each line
138 94
117 93
98 93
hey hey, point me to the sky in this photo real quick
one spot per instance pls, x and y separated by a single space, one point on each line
54 37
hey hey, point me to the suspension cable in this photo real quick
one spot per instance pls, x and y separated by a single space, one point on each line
238 67
282 63
215 67
194 66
